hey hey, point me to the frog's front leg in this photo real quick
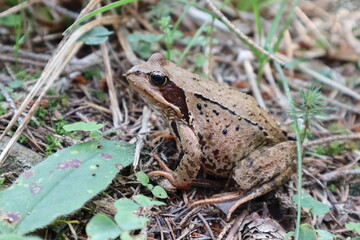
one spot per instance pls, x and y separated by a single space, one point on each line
190 164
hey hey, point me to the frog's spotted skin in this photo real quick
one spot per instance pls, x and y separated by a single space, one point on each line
216 127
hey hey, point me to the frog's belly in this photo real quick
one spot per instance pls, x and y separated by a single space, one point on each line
222 151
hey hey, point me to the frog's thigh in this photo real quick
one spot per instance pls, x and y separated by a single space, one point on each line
265 164
189 166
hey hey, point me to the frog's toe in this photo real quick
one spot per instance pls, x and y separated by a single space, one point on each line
167 185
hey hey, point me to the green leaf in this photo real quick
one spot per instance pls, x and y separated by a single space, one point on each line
324 235
102 227
146 201
142 178
199 59
307 232
83 126
159 192
289 235
61 184
316 207
125 217
126 205
95 36
95 134
10 20
16 237
130 221
16 84
352 226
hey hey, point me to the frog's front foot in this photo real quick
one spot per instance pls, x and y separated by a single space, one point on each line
171 182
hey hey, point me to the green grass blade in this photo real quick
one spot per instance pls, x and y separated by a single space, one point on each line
191 44
99 10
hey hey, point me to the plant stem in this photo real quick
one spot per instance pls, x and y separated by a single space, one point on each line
299 148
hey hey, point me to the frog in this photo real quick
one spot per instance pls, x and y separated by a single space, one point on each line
217 128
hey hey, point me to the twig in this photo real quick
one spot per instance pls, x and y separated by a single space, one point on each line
61 10
335 175
236 225
241 35
18 7
23 53
310 25
189 215
114 104
252 79
97 107
21 60
141 137
206 225
10 101
325 140
323 79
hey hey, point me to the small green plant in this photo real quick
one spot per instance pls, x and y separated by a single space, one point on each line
22 139
95 36
157 191
92 73
59 126
170 35
2 110
2 180
315 206
41 113
56 102
332 149
99 95
129 217
52 143
143 43
310 108
352 226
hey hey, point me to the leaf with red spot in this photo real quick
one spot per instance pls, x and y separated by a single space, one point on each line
61 184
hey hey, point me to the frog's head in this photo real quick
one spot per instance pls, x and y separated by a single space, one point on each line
153 81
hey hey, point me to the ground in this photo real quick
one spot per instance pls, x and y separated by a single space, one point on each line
318 41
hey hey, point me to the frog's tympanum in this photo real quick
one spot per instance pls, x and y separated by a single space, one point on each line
217 128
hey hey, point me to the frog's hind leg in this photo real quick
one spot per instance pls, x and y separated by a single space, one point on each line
242 197
262 171
263 189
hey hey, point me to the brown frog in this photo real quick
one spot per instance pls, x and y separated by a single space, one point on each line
217 128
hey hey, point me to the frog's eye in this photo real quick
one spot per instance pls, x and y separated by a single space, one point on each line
158 78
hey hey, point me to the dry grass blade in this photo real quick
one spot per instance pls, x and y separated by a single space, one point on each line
18 7
242 35
114 104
